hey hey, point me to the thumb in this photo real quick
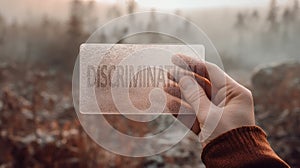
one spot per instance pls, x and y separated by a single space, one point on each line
194 94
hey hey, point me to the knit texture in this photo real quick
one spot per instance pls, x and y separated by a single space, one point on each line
241 147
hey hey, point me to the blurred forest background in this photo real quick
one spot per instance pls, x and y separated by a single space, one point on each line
39 42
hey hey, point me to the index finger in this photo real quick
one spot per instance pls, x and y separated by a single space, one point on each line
191 64
212 72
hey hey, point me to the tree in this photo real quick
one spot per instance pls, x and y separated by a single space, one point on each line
240 25
287 20
272 15
75 25
296 5
2 29
114 12
75 34
152 26
255 15
91 17
295 10
240 21
286 15
131 6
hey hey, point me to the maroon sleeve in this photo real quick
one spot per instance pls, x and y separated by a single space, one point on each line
241 147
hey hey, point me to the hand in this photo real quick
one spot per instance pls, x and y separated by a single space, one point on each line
219 102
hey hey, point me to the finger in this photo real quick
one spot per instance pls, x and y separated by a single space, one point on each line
177 74
176 104
189 119
172 88
183 112
219 79
204 69
191 64
195 96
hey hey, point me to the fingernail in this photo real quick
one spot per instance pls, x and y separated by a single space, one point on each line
186 82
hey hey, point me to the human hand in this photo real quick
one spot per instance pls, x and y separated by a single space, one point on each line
220 103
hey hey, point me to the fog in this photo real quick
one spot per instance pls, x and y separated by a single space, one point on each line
245 35
39 44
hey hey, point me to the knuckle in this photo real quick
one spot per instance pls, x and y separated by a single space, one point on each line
194 97
247 95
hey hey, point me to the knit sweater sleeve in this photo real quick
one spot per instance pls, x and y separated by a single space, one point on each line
241 147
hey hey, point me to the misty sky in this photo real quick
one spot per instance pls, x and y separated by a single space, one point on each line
23 10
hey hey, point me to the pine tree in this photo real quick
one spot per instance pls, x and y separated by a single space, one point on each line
287 18
272 15
295 10
75 25
240 26
240 22
153 27
131 6
75 34
91 16
114 12
296 5
286 15
255 15
2 29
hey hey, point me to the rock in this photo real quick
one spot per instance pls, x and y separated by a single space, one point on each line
276 92
154 162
